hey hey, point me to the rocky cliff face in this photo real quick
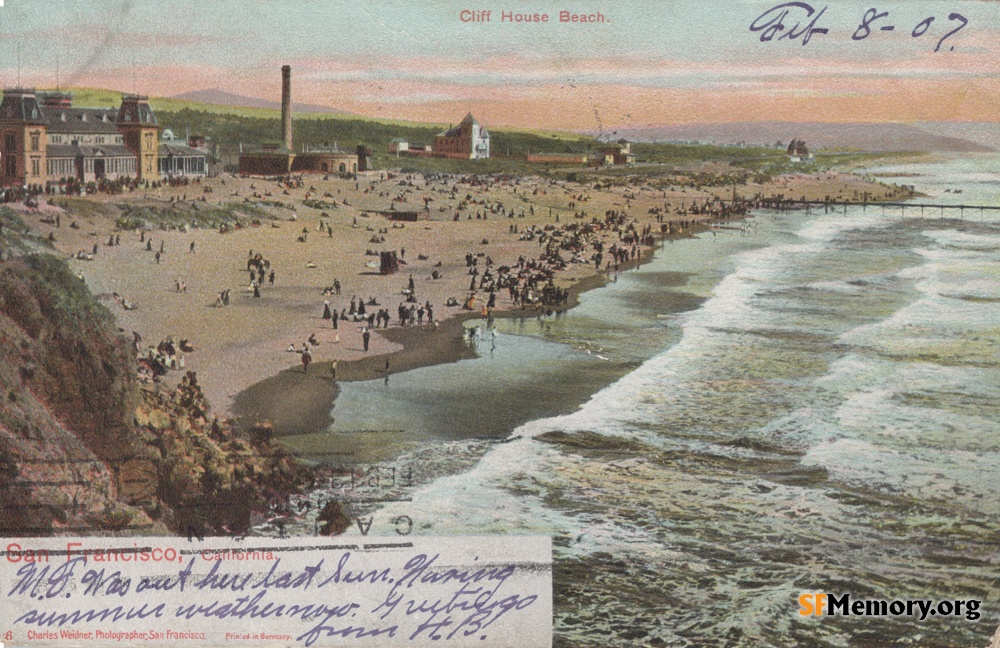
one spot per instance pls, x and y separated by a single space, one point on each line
83 448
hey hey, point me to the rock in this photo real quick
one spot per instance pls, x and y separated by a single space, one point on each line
261 434
334 519
141 416
137 480
184 479
160 420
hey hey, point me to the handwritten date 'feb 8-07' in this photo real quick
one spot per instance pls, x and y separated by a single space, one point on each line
799 20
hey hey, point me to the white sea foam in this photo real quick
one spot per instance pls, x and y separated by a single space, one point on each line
964 240
848 408
953 477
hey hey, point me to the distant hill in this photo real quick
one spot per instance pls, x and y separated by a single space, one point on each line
932 137
985 133
223 98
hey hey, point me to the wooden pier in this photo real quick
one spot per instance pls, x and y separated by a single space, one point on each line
900 205
922 208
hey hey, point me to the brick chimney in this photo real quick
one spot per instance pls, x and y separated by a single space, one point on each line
286 105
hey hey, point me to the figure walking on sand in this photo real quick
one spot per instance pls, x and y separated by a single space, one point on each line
326 310
306 358
366 337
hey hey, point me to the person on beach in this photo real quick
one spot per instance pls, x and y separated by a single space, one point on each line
306 358
326 310
333 369
365 337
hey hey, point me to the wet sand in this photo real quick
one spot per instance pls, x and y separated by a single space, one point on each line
299 402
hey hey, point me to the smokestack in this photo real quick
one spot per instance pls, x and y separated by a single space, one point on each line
286 105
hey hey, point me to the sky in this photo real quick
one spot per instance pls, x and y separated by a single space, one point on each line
648 63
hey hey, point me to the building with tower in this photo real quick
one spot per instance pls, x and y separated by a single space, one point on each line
140 134
44 139
468 141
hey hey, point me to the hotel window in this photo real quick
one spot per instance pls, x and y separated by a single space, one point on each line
35 167
34 142
9 141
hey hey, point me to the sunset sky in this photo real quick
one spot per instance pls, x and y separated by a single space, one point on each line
649 63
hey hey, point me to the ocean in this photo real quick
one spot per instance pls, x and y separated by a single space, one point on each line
806 404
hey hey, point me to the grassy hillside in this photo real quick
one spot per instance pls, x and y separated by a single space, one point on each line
232 125
97 98
347 132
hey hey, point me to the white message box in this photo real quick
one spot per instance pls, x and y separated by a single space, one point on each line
468 591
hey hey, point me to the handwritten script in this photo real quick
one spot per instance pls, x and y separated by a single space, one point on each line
800 21
157 591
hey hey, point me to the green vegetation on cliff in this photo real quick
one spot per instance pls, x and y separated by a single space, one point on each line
84 448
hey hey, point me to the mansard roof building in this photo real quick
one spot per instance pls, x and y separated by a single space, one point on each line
45 139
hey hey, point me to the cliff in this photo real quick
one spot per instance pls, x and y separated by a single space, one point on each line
83 448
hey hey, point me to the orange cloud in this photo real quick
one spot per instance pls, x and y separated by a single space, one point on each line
580 94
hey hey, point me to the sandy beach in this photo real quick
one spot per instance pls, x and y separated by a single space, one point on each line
241 350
